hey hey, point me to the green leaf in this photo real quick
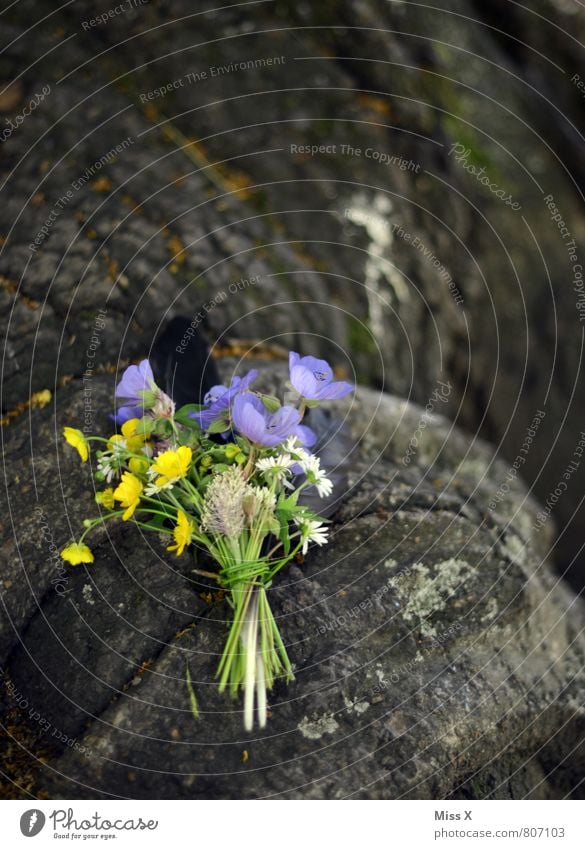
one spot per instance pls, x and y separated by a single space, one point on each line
159 521
220 467
218 426
271 403
189 408
288 502
188 437
283 517
145 426
182 416
162 427
273 525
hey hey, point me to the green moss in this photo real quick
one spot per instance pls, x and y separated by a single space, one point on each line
360 336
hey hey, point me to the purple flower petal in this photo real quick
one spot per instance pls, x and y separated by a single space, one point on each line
306 436
219 397
215 394
135 381
248 417
304 381
313 379
337 389
252 419
123 414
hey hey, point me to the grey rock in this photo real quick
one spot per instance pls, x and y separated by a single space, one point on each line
435 653
331 235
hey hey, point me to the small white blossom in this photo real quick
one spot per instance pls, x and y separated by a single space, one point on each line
109 466
153 489
316 475
322 482
279 466
266 498
293 447
311 463
312 531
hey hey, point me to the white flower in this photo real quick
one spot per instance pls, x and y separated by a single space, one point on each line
109 466
293 447
311 531
317 476
311 463
323 483
152 488
258 500
266 498
278 466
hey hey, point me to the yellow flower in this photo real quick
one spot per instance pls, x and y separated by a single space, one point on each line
75 438
129 439
138 465
134 441
183 533
116 439
128 494
106 498
76 553
172 465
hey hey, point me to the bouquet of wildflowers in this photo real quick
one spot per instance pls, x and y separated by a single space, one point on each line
227 477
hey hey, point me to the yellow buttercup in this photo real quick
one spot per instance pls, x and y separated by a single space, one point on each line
106 498
128 493
183 533
76 553
172 465
76 438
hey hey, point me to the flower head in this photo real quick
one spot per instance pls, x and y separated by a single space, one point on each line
76 553
316 476
133 391
258 504
106 498
183 533
313 379
138 465
171 466
223 511
76 438
278 467
311 531
252 419
128 439
138 392
110 463
128 493
218 399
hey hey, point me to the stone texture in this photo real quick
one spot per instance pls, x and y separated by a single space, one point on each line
208 192
211 188
435 653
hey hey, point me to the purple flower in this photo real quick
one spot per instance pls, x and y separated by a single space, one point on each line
136 381
123 414
219 397
313 379
252 419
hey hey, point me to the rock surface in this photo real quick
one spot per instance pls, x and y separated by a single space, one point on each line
436 655
213 185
